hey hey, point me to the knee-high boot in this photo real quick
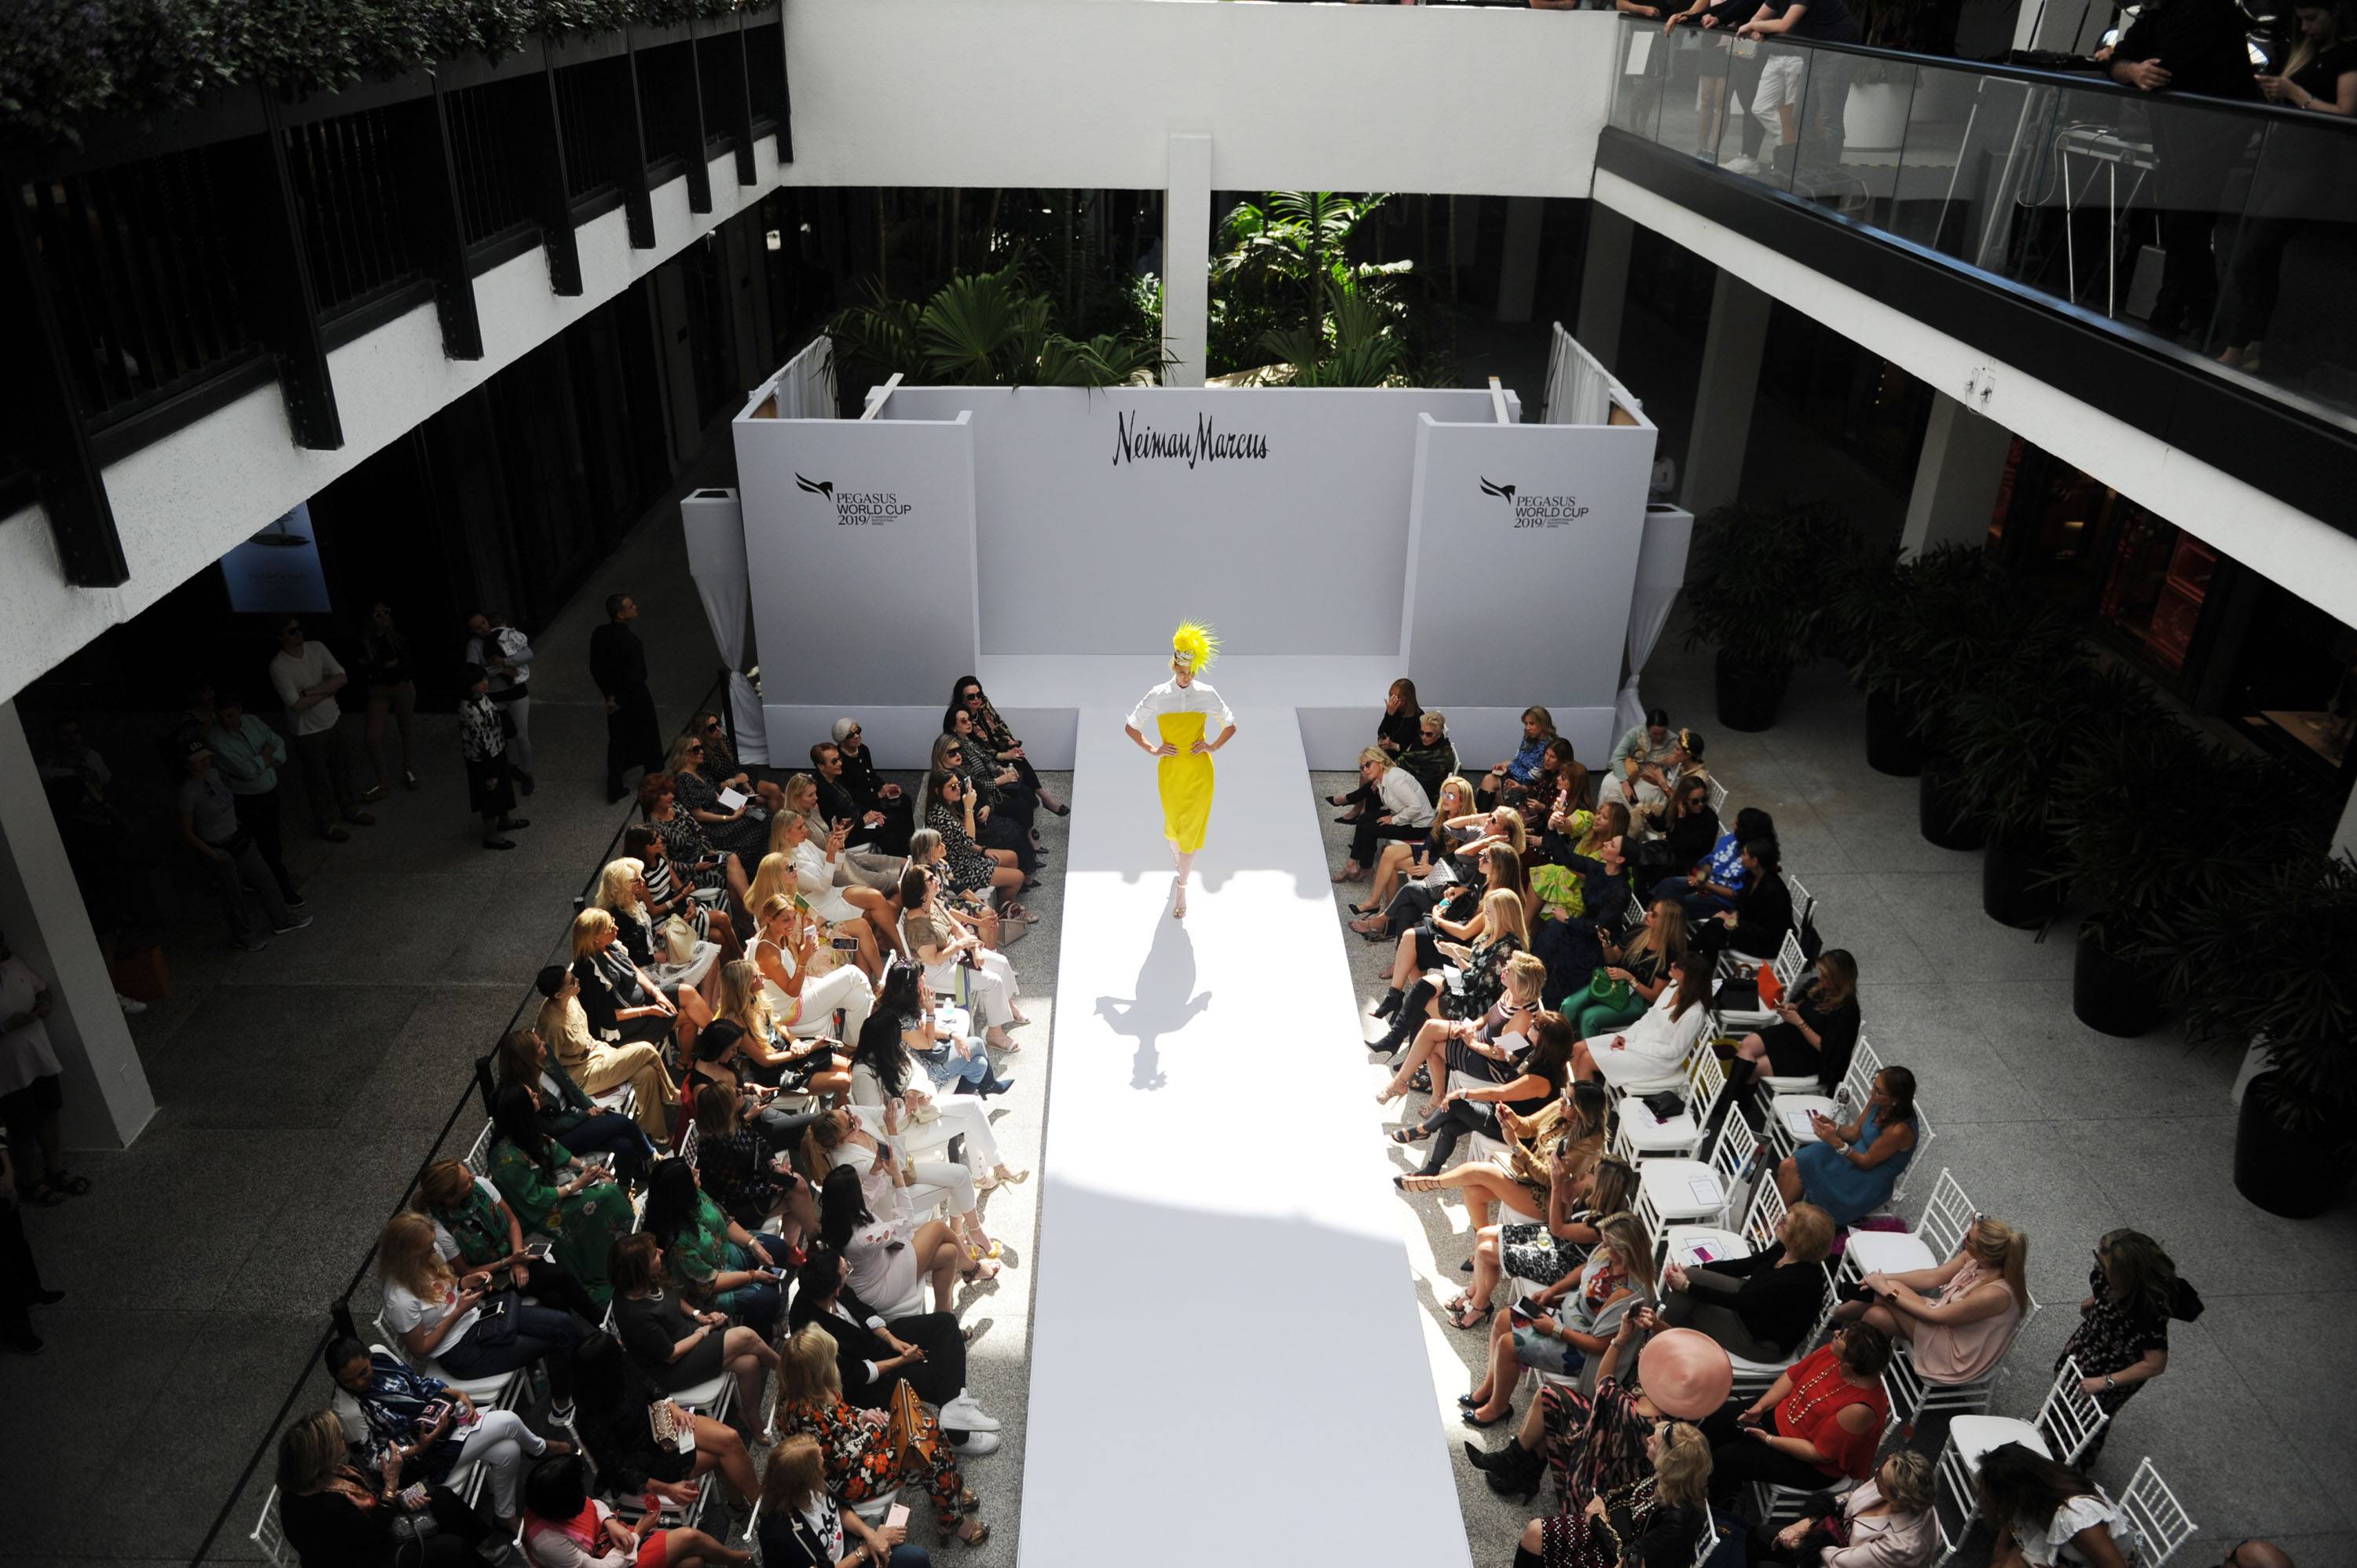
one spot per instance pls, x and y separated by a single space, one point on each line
1408 1020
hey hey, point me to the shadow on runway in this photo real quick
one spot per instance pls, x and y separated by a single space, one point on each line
1165 1000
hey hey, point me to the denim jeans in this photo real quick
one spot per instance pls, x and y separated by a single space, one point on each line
611 1131
540 1333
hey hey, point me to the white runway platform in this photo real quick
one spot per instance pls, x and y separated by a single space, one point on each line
1227 1361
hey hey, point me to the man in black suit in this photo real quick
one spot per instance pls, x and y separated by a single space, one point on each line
618 662
875 824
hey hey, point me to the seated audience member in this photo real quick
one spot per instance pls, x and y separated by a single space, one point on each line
1508 782
849 912
928 849
866 1458
565 1113
1653 1522
612 1399
739 830
1816 1032
668 893
883 1080
1440 999
970 868
1396 734
624 1003
622 892
1641 967
805 1003
1396 809
1640 743
1958 1318
718 1262
597 1067
999 740
1562 783
1646 783
432 1429
2121 1341
1488 1047
565 1526
720 760
1563 1328
1003 834
1675 836
1760 1307
1427 865
1656 1044
996 785
1884 1521
835 803
1850 1170
691 854
803 1525
1521 1181
892 1257
1712 886
1485 1090
869 786
1595 1443
882 1163
1544 1251
721 1059
1820 1421
1488 852
2041 1509
735 1157
476 1229
553 1192
935 1032
337 1514
954 962
436 1312
1432 757
764 1052
1756 924
925 1349
670 1340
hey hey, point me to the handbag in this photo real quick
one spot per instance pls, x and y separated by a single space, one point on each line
678 940
1603 991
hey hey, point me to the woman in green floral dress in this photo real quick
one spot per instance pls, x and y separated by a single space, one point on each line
574 1204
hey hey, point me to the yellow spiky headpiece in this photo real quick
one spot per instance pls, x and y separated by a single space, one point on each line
1193 647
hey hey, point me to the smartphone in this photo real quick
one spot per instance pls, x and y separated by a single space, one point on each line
897 1517
1523 1310
412 1496
845 944
543 1251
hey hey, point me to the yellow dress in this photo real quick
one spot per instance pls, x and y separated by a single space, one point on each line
1186 781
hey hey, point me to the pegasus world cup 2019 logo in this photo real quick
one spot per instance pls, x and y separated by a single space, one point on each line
1535 511
855 508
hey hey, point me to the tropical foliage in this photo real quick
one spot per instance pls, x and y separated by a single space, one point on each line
1755 590
994 329
1284 287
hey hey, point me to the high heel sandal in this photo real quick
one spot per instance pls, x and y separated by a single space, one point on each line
1422 1182
1365 909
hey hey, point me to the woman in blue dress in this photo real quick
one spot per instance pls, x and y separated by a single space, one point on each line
1849 1171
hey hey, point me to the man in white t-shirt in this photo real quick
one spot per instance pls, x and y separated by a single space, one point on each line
308 678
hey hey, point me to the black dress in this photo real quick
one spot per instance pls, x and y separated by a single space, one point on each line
619 1439
1789 1052
329 1529
651 1327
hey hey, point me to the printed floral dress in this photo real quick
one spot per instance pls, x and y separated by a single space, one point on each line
862 1461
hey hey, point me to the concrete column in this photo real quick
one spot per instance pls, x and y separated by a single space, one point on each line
1604 283
1731 380
1187 258
1518 270
107 1098
1956 478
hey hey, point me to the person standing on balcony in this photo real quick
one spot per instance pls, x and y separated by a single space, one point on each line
1789 75
2200 47
493 642
308 678
618 662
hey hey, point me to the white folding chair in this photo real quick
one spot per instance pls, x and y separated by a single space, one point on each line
1699 1246
2063 1429
1787 965
1642 1135
2154 1517
271 1536
1788 1125
501 1390
1933 1240
1672 1192
1773 1505
1707 1541
1914 1396
1805 903
624 1100
1924 1133
1718 798
687 1143
478 1156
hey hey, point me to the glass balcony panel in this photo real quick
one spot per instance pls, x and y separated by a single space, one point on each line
2288 265
1853 131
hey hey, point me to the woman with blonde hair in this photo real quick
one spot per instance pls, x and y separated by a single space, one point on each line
1652 1522
1641 965
1498 930
1886 1522
954 962
436 1312
776 1058
805 1003
1411 876
624 1003
1657 1044
850 912
1557 1144
804 1526
1483 1089
1760 1307
1489 1046
1422 947
622 892
1545 1252
1562 1329
1503 784
1960 1318
337 1515
865 1457
1399 810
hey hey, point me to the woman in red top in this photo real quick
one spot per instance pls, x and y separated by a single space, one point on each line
1820 1420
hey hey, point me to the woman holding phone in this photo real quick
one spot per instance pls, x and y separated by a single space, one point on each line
474 1228
422 1426
803 1525
716 1260
676 1345
553 1192
461 1322
803 1003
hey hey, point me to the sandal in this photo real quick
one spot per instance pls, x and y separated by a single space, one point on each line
1467 1324
981 1533
1365 909
1422 1081
1409 1134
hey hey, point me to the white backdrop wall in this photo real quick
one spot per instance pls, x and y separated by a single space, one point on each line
1525 540
1292 541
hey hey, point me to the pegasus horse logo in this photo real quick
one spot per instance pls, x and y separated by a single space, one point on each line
826 487
1504 492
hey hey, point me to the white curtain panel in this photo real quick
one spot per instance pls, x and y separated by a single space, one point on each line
714 526
1660 572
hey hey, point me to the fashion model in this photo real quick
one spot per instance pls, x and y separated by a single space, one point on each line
1179 712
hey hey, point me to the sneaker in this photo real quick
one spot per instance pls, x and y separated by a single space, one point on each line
378 793
295 924
132 1006
966 1415
1738 164
972 1445
250 944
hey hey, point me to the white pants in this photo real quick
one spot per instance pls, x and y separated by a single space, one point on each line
499 1440
520 742
938 1181
987 992
1779 84
961 1116
845 988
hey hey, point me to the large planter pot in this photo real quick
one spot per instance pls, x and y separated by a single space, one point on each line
1941 809
2012 893
1875 115
1891 746
1748 695
2111 994
2284 1170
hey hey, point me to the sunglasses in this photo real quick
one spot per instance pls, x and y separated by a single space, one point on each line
852 733
695 751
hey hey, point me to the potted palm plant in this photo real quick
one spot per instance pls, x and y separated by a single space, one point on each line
1756 593
1866 617
2271 961
2009 734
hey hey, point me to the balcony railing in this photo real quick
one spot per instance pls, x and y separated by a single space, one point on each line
2072 186
159 271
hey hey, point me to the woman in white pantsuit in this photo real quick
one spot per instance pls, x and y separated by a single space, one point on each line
883 1080
955 963
804 1004
1656 1044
